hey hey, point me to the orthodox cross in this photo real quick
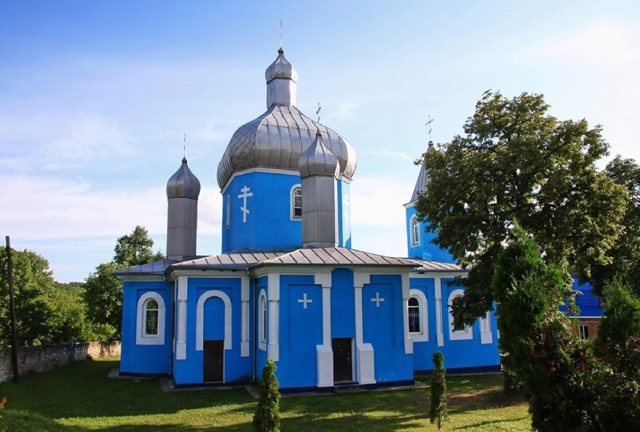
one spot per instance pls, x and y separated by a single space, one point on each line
377 299
243 196
184 146
280 32
318 112
428 124
304 300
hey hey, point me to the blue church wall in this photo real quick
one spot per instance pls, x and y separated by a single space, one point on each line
344 214
423 351
268 206
236 367
425 250
261 355
343 305
383 328
144 359
300 331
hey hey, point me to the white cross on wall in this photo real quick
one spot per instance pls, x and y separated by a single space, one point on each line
243 196
304 300
377 299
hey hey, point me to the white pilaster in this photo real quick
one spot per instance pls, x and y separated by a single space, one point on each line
408 343
324 352
181 344
365 355
273 288
439 326
244 310
486 336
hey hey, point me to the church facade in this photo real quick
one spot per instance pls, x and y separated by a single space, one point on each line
287 284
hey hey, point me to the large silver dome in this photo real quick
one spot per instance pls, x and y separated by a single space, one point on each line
277 138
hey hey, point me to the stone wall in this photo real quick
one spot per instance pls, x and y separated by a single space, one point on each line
46 357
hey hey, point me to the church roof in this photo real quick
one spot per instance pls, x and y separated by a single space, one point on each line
281 68
318 159
421 183
183 183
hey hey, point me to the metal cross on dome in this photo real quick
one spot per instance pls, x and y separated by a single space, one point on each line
318 111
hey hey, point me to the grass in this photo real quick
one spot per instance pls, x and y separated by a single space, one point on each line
81 398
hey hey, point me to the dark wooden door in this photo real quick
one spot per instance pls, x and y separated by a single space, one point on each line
213 364
342 366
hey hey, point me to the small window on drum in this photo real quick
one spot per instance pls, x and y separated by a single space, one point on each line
296 202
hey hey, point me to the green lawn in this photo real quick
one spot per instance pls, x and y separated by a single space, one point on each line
80 398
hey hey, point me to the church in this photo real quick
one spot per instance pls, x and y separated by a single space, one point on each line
287 285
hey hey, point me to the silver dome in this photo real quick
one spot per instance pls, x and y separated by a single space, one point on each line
281 68
183 183
318 160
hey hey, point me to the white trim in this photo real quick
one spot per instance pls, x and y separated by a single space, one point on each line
439 324
365 370
141 337
414 231
465 334
423 314
408 342
486 337
181 343
227 213
244 311
200 318
292 203
262 317
272 171
324 352
273 288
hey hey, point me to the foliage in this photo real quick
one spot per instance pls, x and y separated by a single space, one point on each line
103 291
438 409
568 388
518 163
267 416
46 311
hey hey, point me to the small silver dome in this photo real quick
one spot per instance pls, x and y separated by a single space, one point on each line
423 179
183 183
281 68
318 160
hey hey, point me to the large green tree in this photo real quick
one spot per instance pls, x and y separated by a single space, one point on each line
518 163
103 291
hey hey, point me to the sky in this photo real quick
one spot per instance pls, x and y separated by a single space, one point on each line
96 96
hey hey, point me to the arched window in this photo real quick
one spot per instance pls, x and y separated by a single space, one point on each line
415 231
296 202
150 319
262 321
418 316
228 212
467 332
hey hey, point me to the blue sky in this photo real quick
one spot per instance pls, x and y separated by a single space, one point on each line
95 97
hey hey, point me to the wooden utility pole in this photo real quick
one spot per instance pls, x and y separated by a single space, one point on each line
12 308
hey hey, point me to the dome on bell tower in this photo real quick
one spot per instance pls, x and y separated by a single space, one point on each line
183 183
281 68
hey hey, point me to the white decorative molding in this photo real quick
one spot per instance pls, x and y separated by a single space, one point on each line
423 336
200 318
365 370
271 171
181 344
141 317
486 336
439 324
292 202
273 287
408 342
465 334
244 310
324 352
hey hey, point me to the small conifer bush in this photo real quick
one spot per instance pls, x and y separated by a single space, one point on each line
267 416
438 411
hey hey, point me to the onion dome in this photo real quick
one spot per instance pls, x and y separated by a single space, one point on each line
318 160
183 184
281 68
423 179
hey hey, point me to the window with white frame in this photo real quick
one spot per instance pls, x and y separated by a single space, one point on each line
467 332
584 331
417 314
296 202
150 319
415 231
262 321
228 212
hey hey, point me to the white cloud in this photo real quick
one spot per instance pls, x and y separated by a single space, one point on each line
378 202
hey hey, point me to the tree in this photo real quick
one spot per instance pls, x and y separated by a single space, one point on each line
103 291
438 409
267 416
518 163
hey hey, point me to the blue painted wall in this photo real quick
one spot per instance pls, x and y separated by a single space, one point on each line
343 306
383 328
237 368
425 250
144 359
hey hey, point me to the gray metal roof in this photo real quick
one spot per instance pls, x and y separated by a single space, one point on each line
318 159
183 183
430 266
421 183
281 68
156 267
